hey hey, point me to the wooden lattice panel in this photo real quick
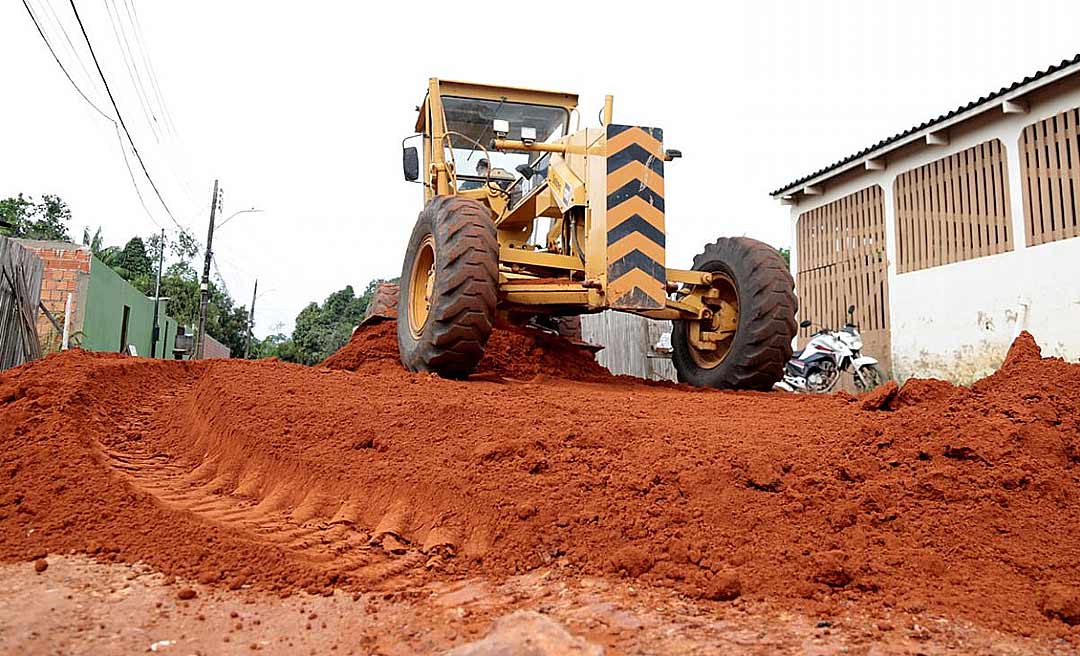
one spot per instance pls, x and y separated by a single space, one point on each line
953 209
840 249
1050 165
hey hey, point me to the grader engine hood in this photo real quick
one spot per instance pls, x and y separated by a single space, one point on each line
634 213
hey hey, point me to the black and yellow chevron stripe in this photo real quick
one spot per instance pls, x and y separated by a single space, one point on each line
637 277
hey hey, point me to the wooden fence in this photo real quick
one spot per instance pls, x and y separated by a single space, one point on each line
20 291
628 342
953 209
841 261
1050 165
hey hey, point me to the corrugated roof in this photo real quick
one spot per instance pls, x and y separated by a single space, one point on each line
1066 63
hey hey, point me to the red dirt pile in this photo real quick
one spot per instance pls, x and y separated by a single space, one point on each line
964 502
514 353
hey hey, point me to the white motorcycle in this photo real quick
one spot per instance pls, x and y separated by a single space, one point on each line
828 354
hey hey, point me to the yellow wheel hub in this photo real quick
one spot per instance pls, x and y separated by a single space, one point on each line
421 286
711 338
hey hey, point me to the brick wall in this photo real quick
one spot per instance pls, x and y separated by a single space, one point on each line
67 269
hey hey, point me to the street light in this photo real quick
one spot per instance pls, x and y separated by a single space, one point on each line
247 211
204 286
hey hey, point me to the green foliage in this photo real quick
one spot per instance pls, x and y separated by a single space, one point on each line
786 254
24 218
278 345
320 329
134 259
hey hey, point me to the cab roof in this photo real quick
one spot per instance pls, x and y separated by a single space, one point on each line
567 101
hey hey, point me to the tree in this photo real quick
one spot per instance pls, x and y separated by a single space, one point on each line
786 254
134 259
24 218
277 345
15 213
108 255
320 329
53 215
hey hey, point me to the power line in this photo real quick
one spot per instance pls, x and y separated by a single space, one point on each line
136 28
48 44
133 71
158 118
131 174
120 117
123 149
71 44
221 278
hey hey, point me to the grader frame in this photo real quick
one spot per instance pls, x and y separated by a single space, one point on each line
603 192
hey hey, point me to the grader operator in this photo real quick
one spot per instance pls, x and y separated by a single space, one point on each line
561 220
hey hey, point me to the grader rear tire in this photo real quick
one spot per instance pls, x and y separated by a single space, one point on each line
449 288
756 278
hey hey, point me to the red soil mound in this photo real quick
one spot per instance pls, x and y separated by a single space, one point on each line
285 477
510 353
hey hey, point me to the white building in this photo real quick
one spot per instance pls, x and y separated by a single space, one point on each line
952 237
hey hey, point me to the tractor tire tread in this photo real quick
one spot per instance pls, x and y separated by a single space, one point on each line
767 308
462 306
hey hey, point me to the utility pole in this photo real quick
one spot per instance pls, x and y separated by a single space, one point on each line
251 320
155 333
204 287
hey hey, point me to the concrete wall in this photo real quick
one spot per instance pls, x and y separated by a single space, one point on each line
107 295
956 321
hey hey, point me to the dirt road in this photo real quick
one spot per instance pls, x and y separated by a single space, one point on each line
931 505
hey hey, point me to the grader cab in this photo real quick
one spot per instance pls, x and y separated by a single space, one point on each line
528 215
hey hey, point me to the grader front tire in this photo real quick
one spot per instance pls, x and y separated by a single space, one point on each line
757 278
449 288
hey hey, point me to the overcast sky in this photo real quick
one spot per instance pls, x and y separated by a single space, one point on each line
299 108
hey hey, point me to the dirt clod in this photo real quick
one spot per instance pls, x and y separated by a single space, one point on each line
723 587
40 565
1062 602
185 594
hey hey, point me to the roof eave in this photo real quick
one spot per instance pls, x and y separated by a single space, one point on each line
994 100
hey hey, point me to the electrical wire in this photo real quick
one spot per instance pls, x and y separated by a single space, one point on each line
157 115
148 64
71 45
133 72
123 149
120 118
52 51
221 278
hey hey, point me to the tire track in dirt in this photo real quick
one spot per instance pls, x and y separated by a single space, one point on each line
336 544
963 501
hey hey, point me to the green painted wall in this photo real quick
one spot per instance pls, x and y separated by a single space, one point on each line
106 296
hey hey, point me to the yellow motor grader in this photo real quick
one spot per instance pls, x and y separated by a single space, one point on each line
530 217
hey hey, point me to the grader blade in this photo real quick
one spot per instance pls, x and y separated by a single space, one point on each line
637 277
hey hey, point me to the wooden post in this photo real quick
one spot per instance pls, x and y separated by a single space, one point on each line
67 323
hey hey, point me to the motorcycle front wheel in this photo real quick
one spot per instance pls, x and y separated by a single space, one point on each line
868 377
